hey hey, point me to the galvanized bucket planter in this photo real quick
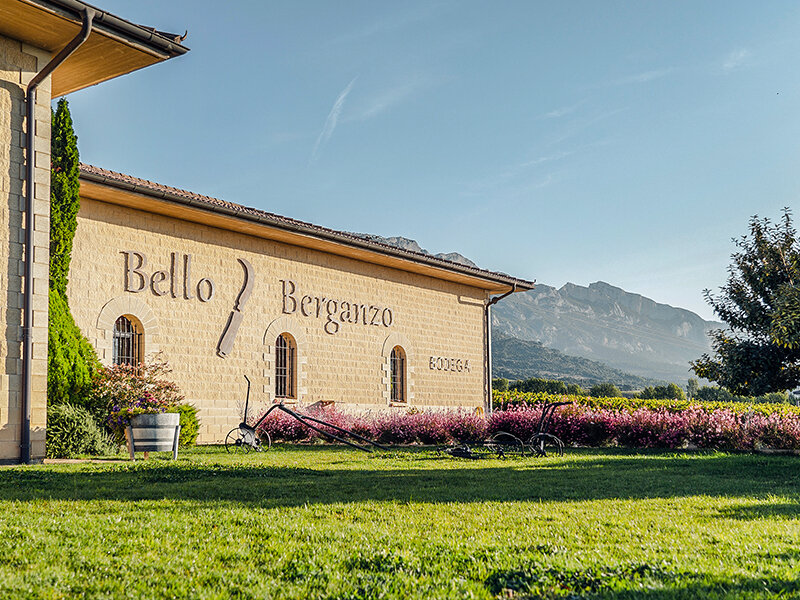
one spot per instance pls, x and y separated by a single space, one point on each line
154 433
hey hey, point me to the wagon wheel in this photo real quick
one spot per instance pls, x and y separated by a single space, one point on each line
544 443
238 440
505 444
264 441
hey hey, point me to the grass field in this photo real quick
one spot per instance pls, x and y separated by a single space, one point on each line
327 522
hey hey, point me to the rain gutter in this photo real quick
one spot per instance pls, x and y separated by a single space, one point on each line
487 346
87 15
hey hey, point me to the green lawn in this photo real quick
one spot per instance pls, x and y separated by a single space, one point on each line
326 522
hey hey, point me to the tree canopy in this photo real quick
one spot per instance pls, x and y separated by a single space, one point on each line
760 303
605 390
71 360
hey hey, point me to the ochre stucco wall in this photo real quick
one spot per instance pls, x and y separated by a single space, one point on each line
430 317
18 64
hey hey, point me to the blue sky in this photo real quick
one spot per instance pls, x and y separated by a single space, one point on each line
564 141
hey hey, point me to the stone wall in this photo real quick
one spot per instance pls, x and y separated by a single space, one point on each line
18 64
347 364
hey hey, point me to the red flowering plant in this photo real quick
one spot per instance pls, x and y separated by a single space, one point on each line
127 391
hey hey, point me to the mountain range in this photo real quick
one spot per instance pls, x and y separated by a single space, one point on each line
627 332
605 323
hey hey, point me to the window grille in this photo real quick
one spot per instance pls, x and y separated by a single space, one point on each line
398 369
284 367
127 343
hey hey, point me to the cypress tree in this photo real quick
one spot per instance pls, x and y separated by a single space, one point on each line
71 360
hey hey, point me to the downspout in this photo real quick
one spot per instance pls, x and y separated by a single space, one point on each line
487 347
30 170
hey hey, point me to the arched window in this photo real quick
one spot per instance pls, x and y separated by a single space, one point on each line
285 367
127 347
397 362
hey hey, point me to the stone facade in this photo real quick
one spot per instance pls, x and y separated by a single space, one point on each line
19 62
342 358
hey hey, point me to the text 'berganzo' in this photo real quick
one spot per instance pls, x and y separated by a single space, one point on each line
333 310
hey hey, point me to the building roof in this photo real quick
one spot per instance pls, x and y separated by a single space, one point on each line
115 46
118 188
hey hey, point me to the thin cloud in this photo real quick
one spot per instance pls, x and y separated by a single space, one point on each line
390 23
544 159
562 111
332 120
645 76
387 99
736 59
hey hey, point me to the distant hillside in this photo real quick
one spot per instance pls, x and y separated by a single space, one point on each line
513 358
607 324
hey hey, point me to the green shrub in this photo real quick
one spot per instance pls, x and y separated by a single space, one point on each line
710 393
72 430
190 424
604 390
535 384
573 389
513 398
500 384
663 392
71 360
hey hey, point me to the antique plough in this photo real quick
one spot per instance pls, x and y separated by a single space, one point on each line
503 444
245 437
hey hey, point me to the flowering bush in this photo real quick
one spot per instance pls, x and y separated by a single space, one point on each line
127 391
576 424
412 427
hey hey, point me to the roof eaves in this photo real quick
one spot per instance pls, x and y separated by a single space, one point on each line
145 37
148 188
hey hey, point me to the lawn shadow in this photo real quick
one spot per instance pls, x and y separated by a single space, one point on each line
632 581
779 511
418 479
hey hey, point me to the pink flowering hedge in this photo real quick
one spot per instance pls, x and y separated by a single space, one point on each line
657 428
576 425
408 427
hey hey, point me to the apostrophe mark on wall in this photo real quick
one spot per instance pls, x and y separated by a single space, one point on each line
228 337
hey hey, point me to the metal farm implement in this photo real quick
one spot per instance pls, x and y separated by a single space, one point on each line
245 438
503 444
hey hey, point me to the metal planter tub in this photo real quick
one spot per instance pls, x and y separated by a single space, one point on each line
154 433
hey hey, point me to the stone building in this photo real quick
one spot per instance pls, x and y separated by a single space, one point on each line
220 291
309 314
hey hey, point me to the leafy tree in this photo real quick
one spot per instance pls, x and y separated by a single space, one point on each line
717 394
500 384
605 390
712 393
691 387
573 389
71 360
663 392
537 385
760 303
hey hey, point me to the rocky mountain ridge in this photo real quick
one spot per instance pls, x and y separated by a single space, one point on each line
605 323
600 322
408 244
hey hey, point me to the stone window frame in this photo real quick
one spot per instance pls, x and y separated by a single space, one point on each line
129 307
392 340
292 327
